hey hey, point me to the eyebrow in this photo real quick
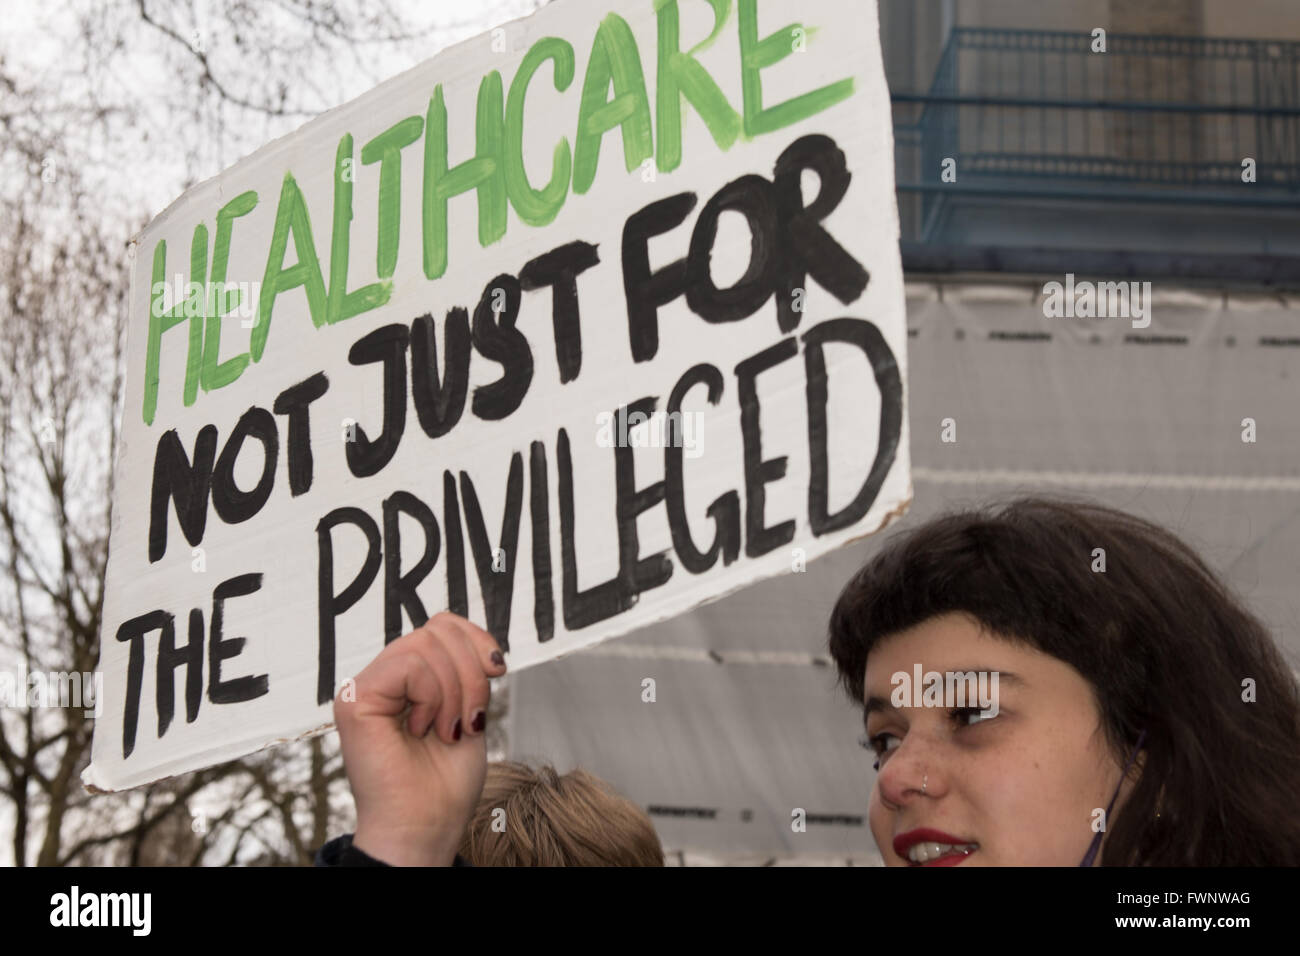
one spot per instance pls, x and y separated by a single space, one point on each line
876 704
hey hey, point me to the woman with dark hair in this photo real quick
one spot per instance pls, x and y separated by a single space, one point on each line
1142 715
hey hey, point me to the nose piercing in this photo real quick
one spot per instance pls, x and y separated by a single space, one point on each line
925 782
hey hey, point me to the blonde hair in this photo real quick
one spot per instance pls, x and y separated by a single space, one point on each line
575 819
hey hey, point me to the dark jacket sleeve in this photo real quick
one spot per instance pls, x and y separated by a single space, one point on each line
341 852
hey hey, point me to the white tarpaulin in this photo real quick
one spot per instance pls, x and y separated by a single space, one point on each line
748 725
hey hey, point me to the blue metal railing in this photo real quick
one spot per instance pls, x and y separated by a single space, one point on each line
1039 114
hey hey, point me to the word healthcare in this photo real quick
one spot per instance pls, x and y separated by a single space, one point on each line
190 482
496 173
427 340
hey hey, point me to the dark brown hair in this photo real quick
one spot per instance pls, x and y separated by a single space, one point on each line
1164 643
574 819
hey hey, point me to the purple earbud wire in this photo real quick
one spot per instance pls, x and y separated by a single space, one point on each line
1096 840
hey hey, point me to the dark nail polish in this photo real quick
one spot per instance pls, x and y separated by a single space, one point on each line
497 659
479 722
455 730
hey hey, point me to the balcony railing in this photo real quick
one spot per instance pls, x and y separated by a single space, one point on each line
1028 116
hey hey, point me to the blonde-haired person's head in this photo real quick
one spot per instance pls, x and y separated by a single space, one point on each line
549 819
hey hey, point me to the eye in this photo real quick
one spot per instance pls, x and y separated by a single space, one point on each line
881 745
969 716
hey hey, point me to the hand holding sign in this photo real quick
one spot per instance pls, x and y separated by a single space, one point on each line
414 779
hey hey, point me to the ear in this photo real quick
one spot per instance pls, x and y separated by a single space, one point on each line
1137 759
1139 764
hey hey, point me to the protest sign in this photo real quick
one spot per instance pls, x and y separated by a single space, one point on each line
580 324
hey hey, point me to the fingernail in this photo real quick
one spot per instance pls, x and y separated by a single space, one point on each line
497 659
455 730
479 722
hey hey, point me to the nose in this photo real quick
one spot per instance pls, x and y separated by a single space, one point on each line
914 771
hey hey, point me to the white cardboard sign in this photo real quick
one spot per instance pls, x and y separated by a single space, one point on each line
578 325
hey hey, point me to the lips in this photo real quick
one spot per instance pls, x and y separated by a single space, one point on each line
935 847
